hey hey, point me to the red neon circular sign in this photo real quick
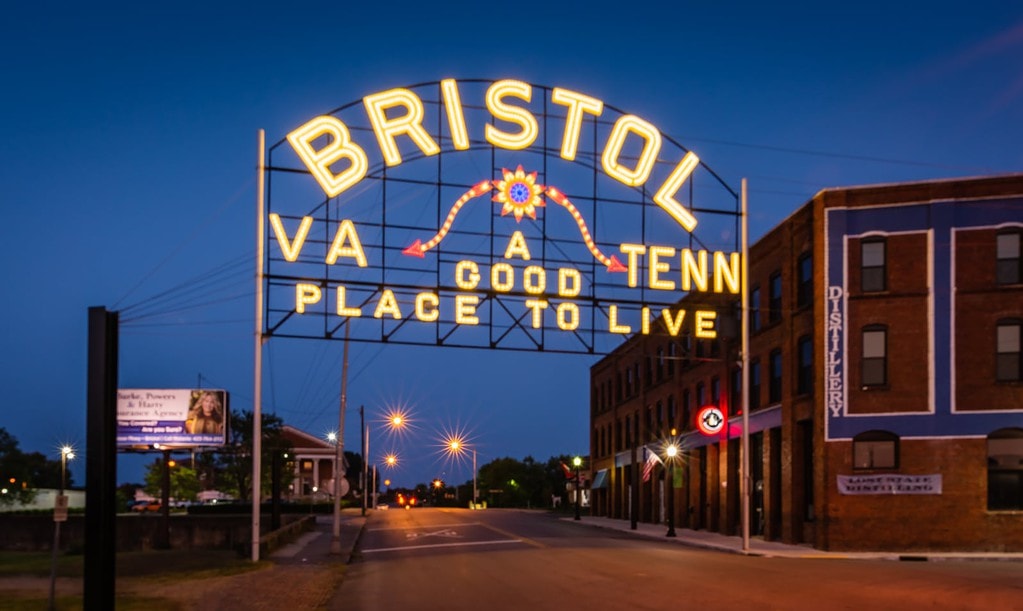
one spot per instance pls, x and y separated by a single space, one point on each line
710 420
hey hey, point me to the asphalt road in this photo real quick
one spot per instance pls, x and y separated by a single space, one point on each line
427 558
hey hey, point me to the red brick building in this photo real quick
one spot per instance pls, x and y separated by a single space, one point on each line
886 401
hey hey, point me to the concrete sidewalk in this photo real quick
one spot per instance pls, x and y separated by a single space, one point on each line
773 549
314 546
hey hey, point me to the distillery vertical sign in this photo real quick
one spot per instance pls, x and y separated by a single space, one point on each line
835 384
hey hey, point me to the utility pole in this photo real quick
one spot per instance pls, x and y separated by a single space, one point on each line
339 449
365 456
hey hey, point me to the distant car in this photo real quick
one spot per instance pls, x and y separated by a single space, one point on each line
145 506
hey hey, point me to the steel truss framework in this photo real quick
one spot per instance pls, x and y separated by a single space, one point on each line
394 207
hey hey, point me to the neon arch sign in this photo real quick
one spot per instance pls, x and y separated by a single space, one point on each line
529 286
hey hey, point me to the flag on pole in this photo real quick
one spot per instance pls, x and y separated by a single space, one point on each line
651 460
567 470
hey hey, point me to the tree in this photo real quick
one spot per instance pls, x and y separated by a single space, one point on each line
184 482
235 459
126 494
524 483
519 482
22 473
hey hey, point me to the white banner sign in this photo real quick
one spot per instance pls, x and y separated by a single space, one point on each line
179 417
889 484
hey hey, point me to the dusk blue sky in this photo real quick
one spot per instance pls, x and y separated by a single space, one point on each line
129 144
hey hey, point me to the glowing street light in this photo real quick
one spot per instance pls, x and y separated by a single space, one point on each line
577 462
670 453
455 445
332 438
66 453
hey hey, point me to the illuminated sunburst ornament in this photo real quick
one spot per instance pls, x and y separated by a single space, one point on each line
519 193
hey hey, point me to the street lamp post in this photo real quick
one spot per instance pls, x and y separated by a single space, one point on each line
577 462
671 452
474 478
332 438
59 515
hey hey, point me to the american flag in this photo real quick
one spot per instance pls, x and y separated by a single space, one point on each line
651 460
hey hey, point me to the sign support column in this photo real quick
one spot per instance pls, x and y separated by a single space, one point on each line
744 289
257 392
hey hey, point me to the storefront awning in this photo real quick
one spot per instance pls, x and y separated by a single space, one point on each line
599 480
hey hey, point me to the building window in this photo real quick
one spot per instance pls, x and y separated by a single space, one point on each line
804 268
660 363
735 392
715 391
1005 470
872 266
876 450
754 309
804 377
774 298
648 373
700 395
672 356
874 367
774 386
687 408
672 422
754 385
1007 361
1007 267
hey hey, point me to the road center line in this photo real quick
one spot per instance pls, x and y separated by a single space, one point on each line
405 547
510 535
424 526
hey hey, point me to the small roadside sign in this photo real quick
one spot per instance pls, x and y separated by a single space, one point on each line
710 420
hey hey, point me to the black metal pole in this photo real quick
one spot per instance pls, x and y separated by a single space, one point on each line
671 497
101 462
163 533
275 489
578 493
634 490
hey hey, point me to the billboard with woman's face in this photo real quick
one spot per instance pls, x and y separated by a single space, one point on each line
173 417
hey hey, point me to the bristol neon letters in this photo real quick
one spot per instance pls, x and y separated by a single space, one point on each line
400 112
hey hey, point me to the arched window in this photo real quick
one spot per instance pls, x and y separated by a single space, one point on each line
804 290
876 450
1005 470
873 265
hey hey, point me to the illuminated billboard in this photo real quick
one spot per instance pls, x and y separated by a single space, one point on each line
493 214
171 417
